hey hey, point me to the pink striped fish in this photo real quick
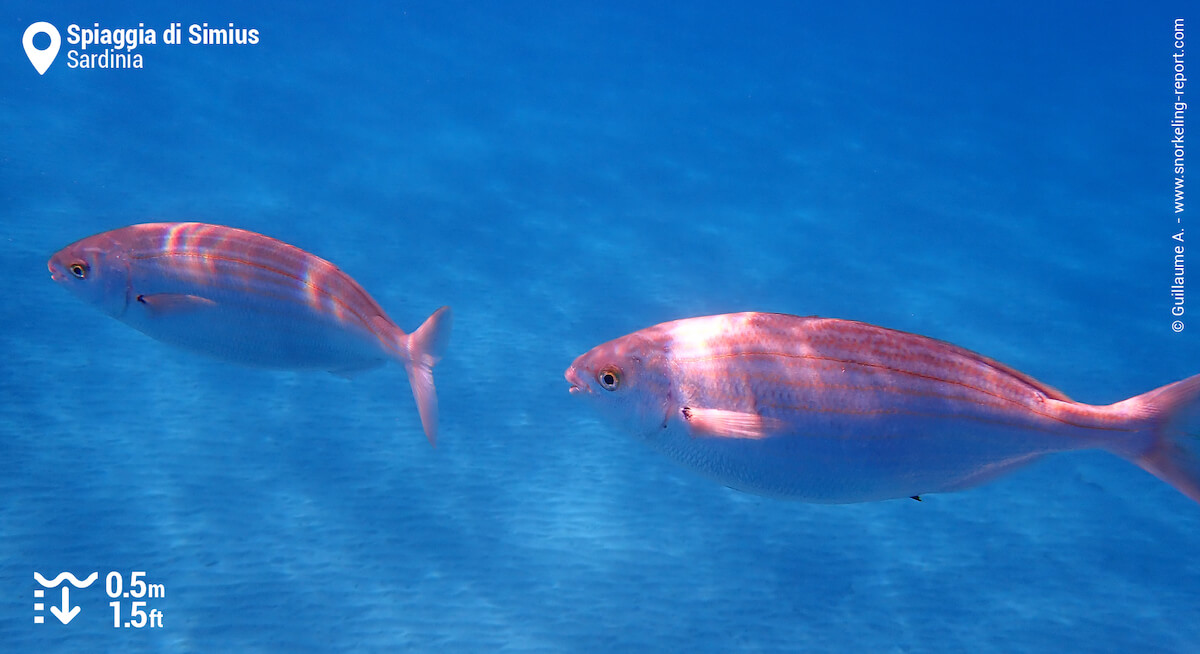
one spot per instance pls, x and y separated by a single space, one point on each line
836 411
245 297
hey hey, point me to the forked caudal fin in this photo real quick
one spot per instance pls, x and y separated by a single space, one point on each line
1174 456
424 348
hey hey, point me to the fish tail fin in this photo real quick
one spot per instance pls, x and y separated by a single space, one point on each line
1174 452
424 348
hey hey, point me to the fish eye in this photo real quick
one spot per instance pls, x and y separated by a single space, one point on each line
79 269
609 378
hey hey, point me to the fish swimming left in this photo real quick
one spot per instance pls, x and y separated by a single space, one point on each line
248 298
836 411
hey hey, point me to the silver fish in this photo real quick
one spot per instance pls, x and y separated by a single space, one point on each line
245 297
836 411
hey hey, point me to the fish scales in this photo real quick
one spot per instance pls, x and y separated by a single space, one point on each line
233 261
782 366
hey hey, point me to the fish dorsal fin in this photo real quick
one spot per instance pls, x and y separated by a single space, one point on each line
721 423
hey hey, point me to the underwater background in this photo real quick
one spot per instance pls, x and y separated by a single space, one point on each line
562 174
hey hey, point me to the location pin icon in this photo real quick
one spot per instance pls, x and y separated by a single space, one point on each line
41 59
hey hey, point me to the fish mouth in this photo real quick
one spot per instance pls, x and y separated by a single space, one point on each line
55 274
577 385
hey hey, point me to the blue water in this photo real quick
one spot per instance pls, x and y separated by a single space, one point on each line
562 175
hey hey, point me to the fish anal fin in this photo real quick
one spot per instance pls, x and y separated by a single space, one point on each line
722 423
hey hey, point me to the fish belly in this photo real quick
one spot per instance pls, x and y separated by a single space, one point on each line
269 337
843 463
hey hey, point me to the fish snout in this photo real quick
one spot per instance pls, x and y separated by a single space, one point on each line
56 273
577 384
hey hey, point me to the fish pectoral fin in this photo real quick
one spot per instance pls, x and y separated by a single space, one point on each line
174 303
729 424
